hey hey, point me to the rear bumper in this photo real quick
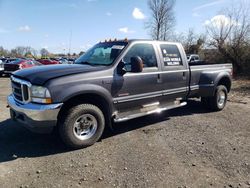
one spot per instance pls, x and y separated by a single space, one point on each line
36 117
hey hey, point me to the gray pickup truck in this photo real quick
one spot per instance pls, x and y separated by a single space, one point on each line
112 82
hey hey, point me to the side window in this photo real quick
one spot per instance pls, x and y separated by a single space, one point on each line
146 53
171 55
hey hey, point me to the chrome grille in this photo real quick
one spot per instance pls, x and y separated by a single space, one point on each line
20 90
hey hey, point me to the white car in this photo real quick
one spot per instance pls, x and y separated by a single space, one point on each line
193 58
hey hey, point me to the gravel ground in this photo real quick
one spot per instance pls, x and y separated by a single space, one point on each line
185 147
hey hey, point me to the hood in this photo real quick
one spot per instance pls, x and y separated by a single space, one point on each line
41 74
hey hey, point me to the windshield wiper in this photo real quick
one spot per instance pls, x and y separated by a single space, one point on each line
85 63
92 64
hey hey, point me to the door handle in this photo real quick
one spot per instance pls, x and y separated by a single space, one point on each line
158 78
184 76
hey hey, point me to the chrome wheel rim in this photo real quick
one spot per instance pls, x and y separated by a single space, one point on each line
221 98
85 127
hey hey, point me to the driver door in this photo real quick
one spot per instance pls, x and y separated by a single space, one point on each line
137 92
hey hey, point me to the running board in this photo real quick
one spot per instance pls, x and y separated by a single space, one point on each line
158 110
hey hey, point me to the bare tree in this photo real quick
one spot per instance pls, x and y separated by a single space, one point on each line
231 35
191 41
3 52
44 52
13 53
162 20
22 51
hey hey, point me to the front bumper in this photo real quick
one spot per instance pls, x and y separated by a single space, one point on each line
40 118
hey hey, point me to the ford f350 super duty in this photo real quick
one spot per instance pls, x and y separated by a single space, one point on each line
112 82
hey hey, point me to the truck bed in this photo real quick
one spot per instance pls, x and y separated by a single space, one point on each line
202 81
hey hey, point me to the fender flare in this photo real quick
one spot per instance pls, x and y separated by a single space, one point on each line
220 76
84 89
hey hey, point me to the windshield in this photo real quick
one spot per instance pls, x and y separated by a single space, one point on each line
102 53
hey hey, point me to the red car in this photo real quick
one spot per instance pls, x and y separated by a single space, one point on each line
48 61
19 64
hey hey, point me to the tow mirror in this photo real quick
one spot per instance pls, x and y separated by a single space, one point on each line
121 70
136 64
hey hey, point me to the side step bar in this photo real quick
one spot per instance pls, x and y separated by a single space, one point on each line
158 110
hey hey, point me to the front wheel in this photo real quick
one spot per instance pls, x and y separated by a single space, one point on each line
81 126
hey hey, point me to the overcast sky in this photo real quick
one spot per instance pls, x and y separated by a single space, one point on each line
52 24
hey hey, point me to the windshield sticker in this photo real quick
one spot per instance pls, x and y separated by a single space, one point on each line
171 55
173 63
117 47
166 59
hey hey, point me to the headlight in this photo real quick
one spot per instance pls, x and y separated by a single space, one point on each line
40 94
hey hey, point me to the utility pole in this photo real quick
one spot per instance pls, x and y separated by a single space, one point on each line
70 40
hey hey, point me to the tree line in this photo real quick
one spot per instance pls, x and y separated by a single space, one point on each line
225 40
29 52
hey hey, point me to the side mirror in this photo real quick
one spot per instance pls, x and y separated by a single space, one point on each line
121 68
136 64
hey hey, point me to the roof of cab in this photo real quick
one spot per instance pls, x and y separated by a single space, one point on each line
140 40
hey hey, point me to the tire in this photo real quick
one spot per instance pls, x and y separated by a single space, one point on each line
81 126
219 100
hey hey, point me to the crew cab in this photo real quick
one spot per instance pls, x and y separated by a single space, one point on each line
113 82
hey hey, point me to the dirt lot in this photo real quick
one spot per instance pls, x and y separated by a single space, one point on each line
185 147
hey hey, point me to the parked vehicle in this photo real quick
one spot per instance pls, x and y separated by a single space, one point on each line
48 61
4 60
67 60
1 67
19 64
71 60
193 58
113 82
8 60
63 61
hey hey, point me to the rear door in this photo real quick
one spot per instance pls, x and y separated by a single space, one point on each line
175 73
